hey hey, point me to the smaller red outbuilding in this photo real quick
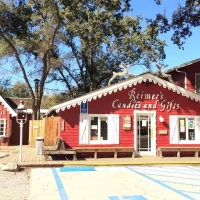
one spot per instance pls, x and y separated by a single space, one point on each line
9 128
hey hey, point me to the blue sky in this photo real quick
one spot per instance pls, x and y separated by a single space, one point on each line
174 55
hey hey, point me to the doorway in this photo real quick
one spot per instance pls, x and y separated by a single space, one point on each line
145 141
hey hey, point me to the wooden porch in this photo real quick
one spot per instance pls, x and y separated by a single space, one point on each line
31 159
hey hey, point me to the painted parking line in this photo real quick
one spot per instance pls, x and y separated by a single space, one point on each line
193 168
175 185
63 195
115 183
191 174
186 171
43 185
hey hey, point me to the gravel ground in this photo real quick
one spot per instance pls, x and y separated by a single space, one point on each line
14 185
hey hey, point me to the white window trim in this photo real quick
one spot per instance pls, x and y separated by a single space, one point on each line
89 130
196 81
178 141
111 138
4 127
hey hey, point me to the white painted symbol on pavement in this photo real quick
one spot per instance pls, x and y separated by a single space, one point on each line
132 197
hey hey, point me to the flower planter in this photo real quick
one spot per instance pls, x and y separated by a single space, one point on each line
4 139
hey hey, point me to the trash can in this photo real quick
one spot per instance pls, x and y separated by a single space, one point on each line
39 145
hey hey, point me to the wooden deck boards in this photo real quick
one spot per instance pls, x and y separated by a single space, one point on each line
29 158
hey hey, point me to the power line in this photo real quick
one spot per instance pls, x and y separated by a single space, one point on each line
56 89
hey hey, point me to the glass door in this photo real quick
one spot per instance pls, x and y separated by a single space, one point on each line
144 133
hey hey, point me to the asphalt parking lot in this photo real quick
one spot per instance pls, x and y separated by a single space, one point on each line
115 183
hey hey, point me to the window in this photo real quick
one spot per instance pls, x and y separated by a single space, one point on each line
99 129
2 127
184 130
197 84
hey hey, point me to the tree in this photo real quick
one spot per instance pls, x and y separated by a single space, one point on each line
53 99
28 35
5 85
20 90
78 42
100 35
183 19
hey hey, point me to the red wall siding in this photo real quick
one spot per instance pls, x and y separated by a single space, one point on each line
4 114
71 126
178 78
15 136
103 105
190 70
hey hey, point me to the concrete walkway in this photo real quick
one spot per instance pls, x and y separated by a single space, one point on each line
30 159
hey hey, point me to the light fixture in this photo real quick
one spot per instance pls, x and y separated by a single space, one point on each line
161 119
21 119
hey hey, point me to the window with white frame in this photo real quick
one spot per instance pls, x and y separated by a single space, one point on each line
197 83
99 129
184 130
2 127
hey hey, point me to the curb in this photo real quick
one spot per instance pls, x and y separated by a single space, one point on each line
130 163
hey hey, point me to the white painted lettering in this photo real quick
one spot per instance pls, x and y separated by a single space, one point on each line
136 100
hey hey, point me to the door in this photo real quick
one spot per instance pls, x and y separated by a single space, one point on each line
144 133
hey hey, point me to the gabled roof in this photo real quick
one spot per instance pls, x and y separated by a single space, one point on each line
8 107
123 85
14 102
183 65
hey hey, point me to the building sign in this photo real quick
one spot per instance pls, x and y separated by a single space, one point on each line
162 132
137 98
127 122
84 107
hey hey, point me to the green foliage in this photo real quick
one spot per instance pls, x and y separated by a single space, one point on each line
5 85
99 35
77 42
52 100
20 90
28 33
183 19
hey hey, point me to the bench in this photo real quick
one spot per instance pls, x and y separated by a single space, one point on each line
114 150
58 149
178 150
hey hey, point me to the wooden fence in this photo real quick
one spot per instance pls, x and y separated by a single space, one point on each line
46 128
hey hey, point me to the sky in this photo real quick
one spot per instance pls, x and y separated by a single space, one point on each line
174 55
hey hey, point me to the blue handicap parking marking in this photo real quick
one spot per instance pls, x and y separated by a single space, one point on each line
179 175
62 192
132 197
77 169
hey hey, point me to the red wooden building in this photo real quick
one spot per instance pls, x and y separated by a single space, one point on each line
144 112
9 128
187 75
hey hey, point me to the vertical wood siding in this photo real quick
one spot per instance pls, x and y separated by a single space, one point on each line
15 133
46 128
179 78
5 115
103 105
